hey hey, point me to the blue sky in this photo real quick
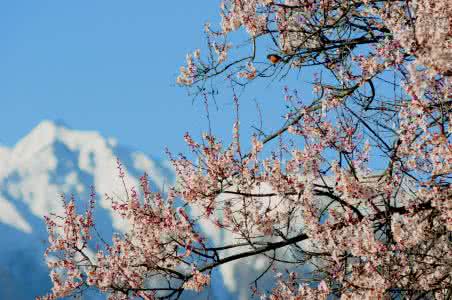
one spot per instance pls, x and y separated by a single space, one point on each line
103 65
110 66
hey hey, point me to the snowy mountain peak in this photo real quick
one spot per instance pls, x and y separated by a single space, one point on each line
52 160
47 133
42 135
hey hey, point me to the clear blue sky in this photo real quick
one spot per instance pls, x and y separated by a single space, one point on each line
108 66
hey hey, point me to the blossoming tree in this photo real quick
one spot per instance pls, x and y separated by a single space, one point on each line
360 197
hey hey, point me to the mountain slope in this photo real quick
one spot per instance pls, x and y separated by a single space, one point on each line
50 161
53 160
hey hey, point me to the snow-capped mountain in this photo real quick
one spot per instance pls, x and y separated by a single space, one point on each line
50 161
53 160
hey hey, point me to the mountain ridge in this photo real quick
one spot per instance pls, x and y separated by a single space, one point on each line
50 161
54 160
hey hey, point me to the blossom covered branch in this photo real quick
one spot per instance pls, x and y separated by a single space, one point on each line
359 193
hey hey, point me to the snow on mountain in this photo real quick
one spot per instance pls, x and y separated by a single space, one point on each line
53 160
50 161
